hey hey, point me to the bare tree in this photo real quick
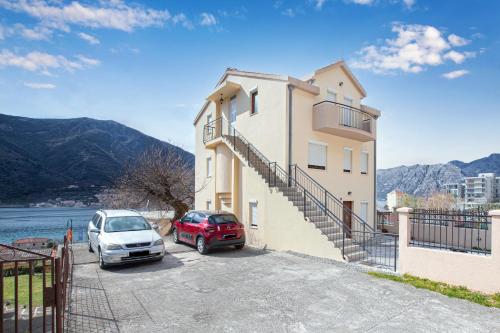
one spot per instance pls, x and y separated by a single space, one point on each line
159 178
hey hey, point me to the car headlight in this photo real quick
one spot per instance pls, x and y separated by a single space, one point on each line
158 242
113 247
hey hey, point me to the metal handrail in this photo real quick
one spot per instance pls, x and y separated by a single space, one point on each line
353 117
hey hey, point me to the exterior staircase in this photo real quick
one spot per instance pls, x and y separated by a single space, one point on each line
358 243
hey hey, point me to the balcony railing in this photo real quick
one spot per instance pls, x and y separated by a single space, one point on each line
352 117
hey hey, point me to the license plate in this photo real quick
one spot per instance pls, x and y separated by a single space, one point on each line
139 254
229 236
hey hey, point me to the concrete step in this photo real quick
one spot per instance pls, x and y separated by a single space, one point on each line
356 256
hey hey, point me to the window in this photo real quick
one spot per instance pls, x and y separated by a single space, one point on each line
331 95
347 159
317 155
255 102
364 163
98 223
232 109
348 101
209 205
363 213
198 218
209 167
253 214
209 118
188 217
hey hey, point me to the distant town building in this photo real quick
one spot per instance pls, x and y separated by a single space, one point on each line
475 191
455 189
33 243
395 199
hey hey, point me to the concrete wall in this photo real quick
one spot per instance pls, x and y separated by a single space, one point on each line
476 272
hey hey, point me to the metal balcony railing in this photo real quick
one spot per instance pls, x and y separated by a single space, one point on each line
355 118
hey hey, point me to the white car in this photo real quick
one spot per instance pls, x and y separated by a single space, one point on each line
123 236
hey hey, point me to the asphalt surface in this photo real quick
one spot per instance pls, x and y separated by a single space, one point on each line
257 291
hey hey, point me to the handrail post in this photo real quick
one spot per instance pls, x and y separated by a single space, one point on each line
343 239
234 138
58 293
325 200
396 241
269 174
305 203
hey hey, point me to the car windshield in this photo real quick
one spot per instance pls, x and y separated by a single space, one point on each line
126 223
223 218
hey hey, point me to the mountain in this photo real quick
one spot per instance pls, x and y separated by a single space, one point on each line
425 179
69 158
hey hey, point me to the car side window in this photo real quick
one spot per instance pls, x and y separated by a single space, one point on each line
197 218
98 223
94 219
187 217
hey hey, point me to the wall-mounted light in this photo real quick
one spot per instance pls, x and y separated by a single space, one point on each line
349 193
341 83
221 99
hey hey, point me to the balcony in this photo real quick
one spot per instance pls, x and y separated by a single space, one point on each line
343 120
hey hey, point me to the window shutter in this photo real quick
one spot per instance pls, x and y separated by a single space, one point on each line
347 159
317 155
364 211
364 163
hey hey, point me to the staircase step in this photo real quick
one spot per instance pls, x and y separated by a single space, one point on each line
356 256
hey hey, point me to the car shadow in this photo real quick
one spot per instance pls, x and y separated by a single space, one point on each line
231 252
169 261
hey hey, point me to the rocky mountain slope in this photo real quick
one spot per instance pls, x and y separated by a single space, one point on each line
70 158
425 179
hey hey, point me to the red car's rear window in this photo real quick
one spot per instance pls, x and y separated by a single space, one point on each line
222 219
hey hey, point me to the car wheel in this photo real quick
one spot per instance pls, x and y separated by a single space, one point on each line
201 246
239 246
102 264
176 236
91 250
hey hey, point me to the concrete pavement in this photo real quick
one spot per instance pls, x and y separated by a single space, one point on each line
257 291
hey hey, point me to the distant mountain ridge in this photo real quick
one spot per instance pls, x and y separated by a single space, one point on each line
43 158
425 179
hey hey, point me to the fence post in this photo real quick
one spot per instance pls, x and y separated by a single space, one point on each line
58 292
404 234
495 234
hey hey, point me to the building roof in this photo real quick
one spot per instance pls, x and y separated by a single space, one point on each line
31 240
343 65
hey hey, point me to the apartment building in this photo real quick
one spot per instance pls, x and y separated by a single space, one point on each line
455 189
294 159
481 189
395 199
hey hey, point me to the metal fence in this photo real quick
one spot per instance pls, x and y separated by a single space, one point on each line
466 231
33 289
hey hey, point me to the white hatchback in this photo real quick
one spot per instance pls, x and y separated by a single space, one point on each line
123 236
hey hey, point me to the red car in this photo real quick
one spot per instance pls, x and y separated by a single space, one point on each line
209 229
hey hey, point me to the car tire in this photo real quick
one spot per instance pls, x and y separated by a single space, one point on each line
91 250
239 246
102 264
201 246
175 236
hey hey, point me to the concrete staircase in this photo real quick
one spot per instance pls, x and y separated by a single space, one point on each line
330 225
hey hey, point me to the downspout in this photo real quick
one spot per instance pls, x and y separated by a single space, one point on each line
290 100
375 218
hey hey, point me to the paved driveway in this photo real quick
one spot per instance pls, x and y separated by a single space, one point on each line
256 291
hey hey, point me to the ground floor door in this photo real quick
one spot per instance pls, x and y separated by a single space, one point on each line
347 218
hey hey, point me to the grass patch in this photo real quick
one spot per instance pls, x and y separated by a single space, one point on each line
491 300
23 289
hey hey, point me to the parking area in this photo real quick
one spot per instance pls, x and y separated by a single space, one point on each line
257 291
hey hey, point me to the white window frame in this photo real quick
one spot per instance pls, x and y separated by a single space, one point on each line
209 118
232 116
313 166
331 91
347 149
209 204
348 98
361 205
209 166
253 222
364 153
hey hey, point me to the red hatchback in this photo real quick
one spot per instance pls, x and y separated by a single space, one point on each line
209 229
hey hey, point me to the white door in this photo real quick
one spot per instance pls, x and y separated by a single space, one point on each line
232 110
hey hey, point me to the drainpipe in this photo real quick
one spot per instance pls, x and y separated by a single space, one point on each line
290 99
375 183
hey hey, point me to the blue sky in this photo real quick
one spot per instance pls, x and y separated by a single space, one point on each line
432 67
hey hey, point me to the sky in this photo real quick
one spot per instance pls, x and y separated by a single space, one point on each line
431 67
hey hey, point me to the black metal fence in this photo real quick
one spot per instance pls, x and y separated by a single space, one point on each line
466 231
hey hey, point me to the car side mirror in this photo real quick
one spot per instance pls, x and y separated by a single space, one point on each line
155 226
94 230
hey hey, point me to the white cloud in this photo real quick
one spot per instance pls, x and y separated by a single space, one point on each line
288 12
183 20
455 74
89 38
44 62
362 2
35 33
413 49
458 57
34 85
319 3
207 19
111 14
457 40
409 3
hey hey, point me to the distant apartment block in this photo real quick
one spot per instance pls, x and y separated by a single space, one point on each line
395 199
475 191
455 189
